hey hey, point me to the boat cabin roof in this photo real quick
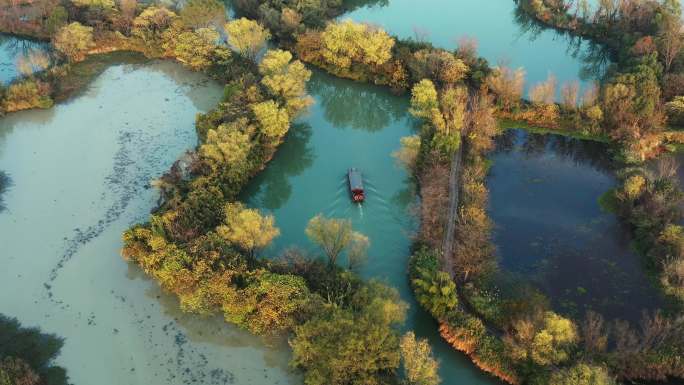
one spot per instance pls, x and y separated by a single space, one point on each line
355 179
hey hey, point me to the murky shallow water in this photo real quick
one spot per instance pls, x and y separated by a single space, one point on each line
80 174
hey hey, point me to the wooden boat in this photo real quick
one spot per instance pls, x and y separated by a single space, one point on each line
358 194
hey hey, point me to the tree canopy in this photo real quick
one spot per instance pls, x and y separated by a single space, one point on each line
74 40
247 37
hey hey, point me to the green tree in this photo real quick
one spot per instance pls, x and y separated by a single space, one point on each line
247 37
286 79
340 346
435 291
73 41
582 374
247 228
203 13
424 100
101 4
331 234
420 367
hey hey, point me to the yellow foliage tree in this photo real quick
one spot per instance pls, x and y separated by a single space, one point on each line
274 121
74 40
286 79
196 49
247 36
346 42
151 23
247 228
227 145
420 367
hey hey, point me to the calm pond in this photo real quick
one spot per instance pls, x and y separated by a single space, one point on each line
79 177
552 232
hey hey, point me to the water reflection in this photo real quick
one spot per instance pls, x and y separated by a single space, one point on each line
21 55
551 230
491 23
272 186
346 105
595 58
581 152
4 185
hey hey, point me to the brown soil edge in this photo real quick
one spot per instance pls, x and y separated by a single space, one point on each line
466 345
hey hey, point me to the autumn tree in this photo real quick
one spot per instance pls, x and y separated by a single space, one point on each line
453 106
269 304
335 236
670 41
424 100
354 345
15 371
508 86
544 92
274 121
420 367
151 23
439 66
569 92
247 228
247 37
227 145
544 340
73 41
445 112
582 374
203 13
286 79
198 49
57 19
347 42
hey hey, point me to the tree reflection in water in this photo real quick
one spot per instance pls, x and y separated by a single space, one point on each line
346 104
272 188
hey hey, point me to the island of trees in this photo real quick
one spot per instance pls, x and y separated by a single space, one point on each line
206 247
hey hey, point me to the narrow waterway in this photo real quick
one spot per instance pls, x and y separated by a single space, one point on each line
80 175
354 125
493 25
